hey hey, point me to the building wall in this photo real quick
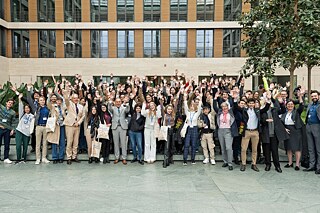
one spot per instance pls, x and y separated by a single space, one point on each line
4 70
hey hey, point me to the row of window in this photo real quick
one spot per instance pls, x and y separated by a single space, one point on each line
125 43
125 10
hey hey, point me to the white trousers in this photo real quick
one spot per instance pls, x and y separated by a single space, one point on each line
150 145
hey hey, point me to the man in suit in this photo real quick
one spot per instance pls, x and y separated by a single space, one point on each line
72 124
119 127
313 132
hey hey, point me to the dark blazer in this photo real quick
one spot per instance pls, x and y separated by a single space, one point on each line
137 125
308 109
295 116
245 115
279 129
234 127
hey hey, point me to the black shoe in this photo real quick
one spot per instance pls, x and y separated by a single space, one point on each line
278 169
164 164
90 160
69 162
297 168
224 165
76 160
230 168
236 161
255 168
141 162
267 168
96 160
55 162
17 162
60 161
80 151
33 150
288 165
317 172
310 169
134 160
243 168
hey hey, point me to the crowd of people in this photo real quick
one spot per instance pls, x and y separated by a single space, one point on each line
173 116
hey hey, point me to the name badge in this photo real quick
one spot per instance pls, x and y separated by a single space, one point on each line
4 120
61 119
44 118
309 116
89 127
206 127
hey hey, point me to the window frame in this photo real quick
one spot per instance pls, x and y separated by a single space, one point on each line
152 32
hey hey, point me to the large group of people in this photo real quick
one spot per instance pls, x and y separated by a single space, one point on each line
172 116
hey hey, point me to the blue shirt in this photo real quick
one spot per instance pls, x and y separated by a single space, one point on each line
43 116
312 115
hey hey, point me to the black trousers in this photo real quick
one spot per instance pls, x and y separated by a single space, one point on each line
169 148
236 146
105 149
271 148
33 139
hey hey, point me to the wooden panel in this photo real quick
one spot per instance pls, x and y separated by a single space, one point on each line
165 11
86 49
138 43
113 53
9 44
138 10
59 11
165 43
218 11
192 10
243 53
85 11
59 44
7 14
191 51
33 11
112 11
246 7
34 45
218 43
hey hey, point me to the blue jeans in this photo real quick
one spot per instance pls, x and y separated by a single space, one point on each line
59 152
191 137
136 141
5 133
82 139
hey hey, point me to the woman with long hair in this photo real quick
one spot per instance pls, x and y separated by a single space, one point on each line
92 124
105 118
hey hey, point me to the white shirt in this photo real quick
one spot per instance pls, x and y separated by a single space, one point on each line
253 119
288 120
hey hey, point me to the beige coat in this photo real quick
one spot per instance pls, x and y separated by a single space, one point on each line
54 137
72 117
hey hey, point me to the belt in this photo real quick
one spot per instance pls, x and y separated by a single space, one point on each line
251 130
41 125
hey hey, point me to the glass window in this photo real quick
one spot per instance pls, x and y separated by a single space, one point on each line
125 10
47 43
178 43
178 10
99 10
125 44
2 9
3 41
151 43
205 10
72 10
21 44
152 9
231 43
46 10
232 10
204 46
73 43
99 43
19 10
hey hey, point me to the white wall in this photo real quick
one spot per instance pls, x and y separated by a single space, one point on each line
4 70
27 70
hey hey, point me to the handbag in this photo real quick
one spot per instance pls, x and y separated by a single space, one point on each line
51 124
183 131
103 131
96 147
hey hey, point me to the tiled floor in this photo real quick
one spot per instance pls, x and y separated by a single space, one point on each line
81 187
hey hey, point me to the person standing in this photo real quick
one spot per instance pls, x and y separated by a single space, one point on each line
206 124
105 118
293 123
7 126
72 124
313 132
23 130
119 128
136 127
92 123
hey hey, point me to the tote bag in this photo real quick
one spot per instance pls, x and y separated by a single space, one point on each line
96 147
103 131
51 124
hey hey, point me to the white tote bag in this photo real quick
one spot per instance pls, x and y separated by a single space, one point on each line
51 124
103 131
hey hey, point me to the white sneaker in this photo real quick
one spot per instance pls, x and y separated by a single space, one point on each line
8 161
37 162
213 162
205 161
101 159
45 160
